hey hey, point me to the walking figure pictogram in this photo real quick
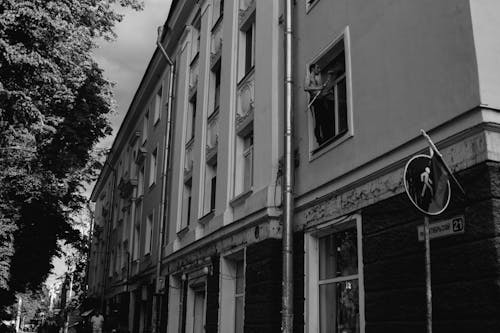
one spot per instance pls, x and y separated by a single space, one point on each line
426 179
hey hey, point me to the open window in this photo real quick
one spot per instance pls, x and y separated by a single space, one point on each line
328 87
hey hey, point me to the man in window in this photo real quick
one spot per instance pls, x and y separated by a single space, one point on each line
322 100
314 85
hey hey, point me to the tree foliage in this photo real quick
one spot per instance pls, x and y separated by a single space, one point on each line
54 103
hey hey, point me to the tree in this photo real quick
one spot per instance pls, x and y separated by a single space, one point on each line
54 103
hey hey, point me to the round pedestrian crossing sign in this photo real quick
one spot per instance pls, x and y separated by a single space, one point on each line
427 185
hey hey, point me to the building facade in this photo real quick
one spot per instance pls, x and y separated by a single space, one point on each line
367 78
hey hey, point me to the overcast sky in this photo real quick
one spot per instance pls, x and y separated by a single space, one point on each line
124 62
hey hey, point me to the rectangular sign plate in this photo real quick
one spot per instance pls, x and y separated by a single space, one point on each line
450 227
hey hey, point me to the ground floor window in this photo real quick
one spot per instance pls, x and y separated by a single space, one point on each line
232 306
334 270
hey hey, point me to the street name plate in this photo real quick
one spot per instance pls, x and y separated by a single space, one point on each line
450 227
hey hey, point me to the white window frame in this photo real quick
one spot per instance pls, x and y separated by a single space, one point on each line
186 207
145 127
311 269
148 237
140 182
227 293
310 5
314 152
153 167
157 105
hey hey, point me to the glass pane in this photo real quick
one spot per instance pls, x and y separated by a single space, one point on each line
240 277
338 254
339 307
238 314
342 105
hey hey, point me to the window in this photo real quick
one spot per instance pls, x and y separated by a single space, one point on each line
148 242
140 182
335 283
249 37
248 162
145 124
191 119
210 188
232 289
198 321
218 10
239 297
153 167
327 86
135 250
244 163
157 106
186 205
310 4
196 36
217 73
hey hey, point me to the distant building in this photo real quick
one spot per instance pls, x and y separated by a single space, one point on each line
385 71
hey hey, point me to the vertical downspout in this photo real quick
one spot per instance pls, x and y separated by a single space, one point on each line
164 183
287 287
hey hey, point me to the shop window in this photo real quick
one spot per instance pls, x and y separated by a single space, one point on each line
328 89
233 292
335 283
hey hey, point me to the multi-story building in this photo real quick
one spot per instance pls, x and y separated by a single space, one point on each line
368 76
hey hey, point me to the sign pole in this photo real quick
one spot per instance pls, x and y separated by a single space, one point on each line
428 288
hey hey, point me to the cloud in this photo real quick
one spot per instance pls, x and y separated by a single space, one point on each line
125 60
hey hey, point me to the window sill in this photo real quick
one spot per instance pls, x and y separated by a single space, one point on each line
151 186
311 6
240 198
156 122
206 218
183 231
330 144
216 24
194 59
247 75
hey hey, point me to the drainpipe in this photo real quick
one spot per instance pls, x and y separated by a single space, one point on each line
287 283
164 183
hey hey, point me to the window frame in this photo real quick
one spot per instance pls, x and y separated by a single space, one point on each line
310 5
157 105
148 237
145 127
316 150
311 269
153 167
227 293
